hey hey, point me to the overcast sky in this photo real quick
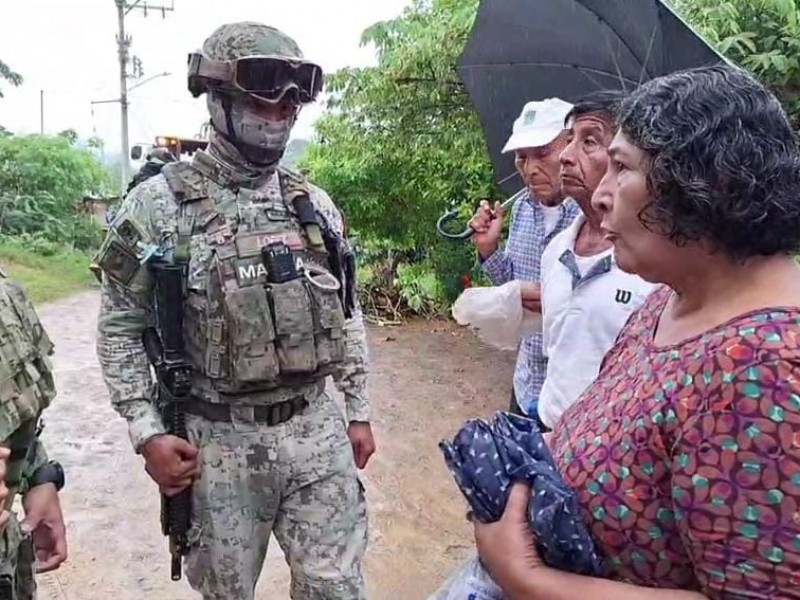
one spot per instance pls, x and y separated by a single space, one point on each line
67 48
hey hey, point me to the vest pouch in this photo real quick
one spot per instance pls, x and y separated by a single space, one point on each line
10 417
251 335
15 404
328 322
294 325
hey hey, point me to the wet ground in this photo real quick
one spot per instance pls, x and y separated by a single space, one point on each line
427 378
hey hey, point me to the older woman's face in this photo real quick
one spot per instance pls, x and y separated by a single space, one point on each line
620 198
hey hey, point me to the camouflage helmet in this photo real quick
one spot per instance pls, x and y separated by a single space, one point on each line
161 154
247 38
263 63
216 64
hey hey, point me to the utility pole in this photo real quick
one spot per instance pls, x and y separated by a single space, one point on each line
130 89
41 112
123 45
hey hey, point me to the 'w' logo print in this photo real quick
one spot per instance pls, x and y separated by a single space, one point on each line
623 296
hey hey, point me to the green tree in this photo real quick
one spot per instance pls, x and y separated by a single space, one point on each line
6 74
43 180
760 35
401 141
70 135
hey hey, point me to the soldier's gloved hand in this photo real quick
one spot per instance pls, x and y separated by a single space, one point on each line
172 462
43 519
363 443
4 514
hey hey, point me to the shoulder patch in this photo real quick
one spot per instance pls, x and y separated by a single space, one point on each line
117 256
118 262
129 232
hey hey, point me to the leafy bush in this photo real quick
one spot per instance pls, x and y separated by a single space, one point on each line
400 143
420 288
42 183
760 35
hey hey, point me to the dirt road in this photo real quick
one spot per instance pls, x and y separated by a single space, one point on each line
427 379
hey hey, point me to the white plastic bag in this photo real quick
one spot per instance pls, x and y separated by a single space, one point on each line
470 582
496 314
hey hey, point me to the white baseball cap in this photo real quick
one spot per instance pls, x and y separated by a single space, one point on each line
539 124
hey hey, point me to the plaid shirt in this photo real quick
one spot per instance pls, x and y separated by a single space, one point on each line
521 259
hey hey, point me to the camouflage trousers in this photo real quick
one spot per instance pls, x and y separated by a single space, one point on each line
296 480
17 580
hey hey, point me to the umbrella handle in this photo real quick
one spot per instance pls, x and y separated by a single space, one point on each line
446 218
467 233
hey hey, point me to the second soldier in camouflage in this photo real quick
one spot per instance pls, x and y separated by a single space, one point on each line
269 315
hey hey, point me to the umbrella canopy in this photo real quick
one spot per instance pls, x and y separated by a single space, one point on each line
486 458
523 50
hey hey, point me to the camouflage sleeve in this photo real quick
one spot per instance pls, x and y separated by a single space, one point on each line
37 456
125 310
351 376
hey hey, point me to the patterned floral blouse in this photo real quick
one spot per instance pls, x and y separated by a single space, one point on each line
686 458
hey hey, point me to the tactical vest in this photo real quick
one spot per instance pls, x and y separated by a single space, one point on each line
26 379
249 328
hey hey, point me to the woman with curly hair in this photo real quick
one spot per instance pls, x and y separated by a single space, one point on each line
685 452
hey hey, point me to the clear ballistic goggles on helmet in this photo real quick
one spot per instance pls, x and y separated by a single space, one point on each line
267 77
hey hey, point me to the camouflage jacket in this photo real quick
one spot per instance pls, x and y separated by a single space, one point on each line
27 385
151 211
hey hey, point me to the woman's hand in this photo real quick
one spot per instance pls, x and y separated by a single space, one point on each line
507 551
506 548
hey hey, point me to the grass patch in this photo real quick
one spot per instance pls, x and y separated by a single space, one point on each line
46 278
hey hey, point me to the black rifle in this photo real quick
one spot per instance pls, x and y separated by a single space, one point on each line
343 268
166 353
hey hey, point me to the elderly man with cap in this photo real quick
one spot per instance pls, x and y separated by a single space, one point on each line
538 138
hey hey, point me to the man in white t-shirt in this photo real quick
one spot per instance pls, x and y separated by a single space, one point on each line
586 298
538 136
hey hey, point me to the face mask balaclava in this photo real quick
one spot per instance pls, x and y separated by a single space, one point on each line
244 139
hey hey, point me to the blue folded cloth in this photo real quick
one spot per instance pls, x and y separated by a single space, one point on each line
487 458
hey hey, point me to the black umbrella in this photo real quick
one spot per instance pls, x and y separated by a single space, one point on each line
523 50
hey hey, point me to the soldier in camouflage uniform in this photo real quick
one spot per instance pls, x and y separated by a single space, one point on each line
270 313
156 159
26 389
